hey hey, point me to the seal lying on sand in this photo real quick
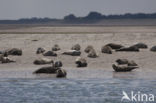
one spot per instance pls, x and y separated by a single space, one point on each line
1 52
106 49
43 61
88 48
14 51
76 47
92 54
123 68
141 45
6 60
47 70
40 50
72 53
125 61
122 61
153 49
49 53
115 46
4 54
56 48
130 49
81 62
1 56
58 64
60 73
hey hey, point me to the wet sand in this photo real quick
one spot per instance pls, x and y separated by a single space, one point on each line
100 67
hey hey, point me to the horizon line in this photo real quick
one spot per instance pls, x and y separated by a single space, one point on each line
118 14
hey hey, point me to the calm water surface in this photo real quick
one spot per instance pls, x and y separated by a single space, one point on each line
74 89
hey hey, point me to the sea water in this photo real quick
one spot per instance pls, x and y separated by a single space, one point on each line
71 90
80 86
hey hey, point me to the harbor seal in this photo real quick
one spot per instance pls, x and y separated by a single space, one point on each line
49 53
115 46
42 61
72 53
61 73
40 50
56 47
130 49
92 54
106 49
88 48
76 47
81 62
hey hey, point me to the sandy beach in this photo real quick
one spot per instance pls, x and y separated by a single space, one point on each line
68 36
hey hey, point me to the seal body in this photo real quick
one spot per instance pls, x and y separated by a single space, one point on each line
106 49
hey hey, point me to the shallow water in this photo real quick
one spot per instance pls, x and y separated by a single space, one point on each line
80 86
70 90
52 90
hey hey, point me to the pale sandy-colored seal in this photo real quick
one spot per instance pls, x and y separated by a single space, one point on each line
76 47
106 49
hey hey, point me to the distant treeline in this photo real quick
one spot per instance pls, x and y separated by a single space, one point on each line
71 18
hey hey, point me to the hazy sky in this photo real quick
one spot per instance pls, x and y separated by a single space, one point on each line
15 9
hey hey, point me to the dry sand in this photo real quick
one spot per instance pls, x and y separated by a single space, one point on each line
68 36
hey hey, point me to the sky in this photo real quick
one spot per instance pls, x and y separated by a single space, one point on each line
16 9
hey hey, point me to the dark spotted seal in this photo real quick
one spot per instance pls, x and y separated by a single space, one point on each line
123 68
115 46
40 50
49 53
61 73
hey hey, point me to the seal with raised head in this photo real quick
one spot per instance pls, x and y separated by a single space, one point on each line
40 50
58 64
61 73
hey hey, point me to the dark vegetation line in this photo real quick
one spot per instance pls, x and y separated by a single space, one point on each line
92 17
